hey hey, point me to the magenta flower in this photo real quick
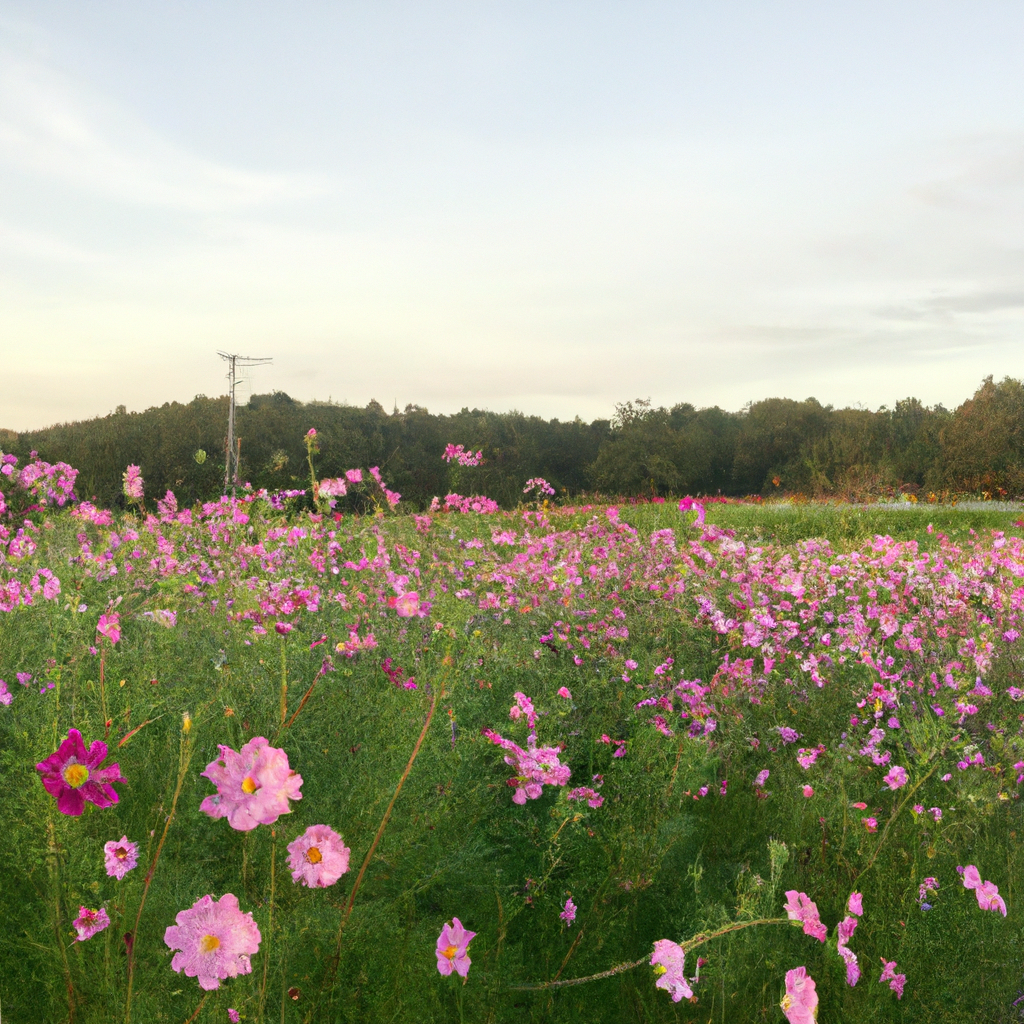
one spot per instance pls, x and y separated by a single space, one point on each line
254 785
120 857
895 777
871 824
453 948
214 940
407 605
354 476
89 922
896 981
110 627
568 915
73 775
134 485
808 791
852 967
563 691
800 907
667 961
318 858
800 1003
5 695
233 1015
855 904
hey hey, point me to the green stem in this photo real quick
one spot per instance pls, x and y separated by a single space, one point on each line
270 922
689 944
284 682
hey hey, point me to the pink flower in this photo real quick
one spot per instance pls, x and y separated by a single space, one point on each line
568 915
986 892
354 476
318 857
110 627
563 691
800 907
5 695
855 904
667 961
89 922
233 1015
120 857
214 940
800 1003
808 791
134 485
453 948
845 929
896 981
895 777
254 785
871 824
72 775
407 605
762 778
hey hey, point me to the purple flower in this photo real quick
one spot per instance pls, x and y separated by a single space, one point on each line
667 960
214 940
569 913
73 775
120 857
787 735
453 948
89 922
761 778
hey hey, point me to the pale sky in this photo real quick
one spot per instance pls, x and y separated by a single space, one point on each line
545 206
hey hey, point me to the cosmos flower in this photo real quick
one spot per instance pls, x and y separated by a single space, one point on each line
855 904
895 777
800 907
253 784
214 940
896 981
563 691
568 915
73 775
89 922
453 948
800 1003
986 892
318 858
667 961
134 485
110 626
120 857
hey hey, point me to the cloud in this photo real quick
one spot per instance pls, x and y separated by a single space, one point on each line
56 128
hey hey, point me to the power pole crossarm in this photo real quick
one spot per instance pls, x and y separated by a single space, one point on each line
233 449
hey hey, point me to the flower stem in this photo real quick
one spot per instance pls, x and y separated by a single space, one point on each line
284 682
698 940
185 749
270 922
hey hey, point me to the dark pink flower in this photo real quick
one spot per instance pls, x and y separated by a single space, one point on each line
253 784
895 777
568 914
110 627
73 775
667 961
318 857
800 907
120 857
453 948
89 922
214 940
233 1015
800 1003
855 904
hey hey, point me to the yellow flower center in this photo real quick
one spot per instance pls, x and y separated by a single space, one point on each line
121 853
787 1002
313 855
449 951
208 943
660 970
249 785
76 775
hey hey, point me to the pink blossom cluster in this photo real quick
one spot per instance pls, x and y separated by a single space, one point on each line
538 484
471 504
456 453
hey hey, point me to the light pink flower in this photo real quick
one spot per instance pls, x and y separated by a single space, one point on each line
453 948
72 775
110 627
214 940
667 961
986 892
120 857
5 695
855 904
354 476
407 605
800 907
254 785
800 1003
318 857
134 485
896 981
895 777
89 922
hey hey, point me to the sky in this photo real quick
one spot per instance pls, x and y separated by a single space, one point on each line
543 206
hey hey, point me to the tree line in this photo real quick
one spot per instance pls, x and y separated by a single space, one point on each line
775 446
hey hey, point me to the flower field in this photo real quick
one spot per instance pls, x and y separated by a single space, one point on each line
666 762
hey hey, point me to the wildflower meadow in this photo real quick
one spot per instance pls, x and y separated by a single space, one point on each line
303 756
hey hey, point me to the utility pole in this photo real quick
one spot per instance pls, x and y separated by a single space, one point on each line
233 447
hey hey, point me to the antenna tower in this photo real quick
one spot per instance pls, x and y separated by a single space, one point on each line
233 445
